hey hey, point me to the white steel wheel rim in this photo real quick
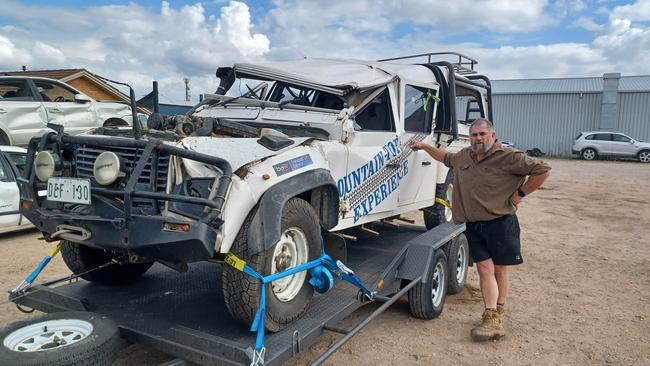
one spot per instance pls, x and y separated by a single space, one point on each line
437 284
450 190
292 250
589 154
48 335
644 157
461 264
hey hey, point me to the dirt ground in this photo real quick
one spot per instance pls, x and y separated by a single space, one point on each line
582 296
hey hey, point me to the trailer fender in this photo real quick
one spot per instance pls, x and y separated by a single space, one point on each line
265 226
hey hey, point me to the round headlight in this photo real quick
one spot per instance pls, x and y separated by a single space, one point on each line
107 168
45 165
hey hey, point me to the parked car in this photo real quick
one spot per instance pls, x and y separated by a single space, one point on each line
27 104
12 163
596 144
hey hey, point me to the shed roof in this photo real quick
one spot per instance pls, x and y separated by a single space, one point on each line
568 85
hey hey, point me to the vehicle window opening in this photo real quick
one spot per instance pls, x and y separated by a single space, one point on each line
51 92
16 90
419 104
376 115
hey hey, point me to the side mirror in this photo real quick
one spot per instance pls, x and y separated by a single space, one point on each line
82 98
632 141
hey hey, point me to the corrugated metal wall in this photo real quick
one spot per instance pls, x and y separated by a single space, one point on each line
549 122
634 115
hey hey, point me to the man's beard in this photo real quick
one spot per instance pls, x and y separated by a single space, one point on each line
480 147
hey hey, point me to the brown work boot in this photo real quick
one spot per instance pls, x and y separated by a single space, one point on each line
502 312
491 327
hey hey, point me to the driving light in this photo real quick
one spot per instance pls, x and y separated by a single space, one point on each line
46 165
107 168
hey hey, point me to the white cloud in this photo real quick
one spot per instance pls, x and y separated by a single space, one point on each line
236 20
639 11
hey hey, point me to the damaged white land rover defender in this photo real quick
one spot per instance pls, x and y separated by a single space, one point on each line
282 153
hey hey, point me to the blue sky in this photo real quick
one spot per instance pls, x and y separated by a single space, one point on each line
137 41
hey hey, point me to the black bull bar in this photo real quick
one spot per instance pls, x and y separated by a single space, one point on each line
119 229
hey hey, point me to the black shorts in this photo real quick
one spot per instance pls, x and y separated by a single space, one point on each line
497 239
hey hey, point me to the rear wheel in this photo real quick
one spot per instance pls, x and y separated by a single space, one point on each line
458 261
82 258
644 156
426 300
589 154
439 213
286 298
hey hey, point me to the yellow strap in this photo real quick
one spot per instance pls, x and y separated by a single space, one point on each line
235 261
442 202
55 250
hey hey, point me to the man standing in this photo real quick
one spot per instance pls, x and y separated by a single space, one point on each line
489 182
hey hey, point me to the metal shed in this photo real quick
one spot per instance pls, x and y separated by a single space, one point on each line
549 113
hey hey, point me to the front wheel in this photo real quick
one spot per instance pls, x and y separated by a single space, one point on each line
644 156
81 259
286 298
426 300
65 339
440 213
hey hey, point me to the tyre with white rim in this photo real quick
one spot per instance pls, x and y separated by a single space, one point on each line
427 300
644 156
589 154
458 261
286 298
66 339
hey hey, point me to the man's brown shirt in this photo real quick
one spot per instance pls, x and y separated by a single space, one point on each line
482 189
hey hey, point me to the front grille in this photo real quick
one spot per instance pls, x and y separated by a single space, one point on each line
86 155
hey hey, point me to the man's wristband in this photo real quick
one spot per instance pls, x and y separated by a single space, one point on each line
521 193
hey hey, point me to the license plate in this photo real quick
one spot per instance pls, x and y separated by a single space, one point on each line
71 190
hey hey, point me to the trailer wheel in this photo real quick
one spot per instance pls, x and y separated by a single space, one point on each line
438 213
426 300
288 298
67 339
458 257
82 258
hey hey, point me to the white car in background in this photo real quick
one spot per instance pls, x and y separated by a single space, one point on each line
12 162
597 144
28 104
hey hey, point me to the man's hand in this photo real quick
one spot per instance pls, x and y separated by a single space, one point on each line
417 145
438 154
515 198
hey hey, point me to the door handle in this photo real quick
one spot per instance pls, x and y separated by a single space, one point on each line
426 163
2 111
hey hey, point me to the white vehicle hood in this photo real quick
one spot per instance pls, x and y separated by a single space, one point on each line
236 151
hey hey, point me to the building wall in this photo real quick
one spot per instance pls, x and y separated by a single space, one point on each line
634 115
92 90
549 122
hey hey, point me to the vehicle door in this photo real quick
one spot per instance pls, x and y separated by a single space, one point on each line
22 115
603 142
622 145
419 170
9 195
373 160
61 108
17 161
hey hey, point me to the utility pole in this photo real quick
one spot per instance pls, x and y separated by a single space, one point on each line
187 89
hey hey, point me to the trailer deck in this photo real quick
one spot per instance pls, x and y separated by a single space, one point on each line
184 315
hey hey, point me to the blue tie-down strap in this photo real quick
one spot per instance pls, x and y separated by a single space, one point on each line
321 271
29 280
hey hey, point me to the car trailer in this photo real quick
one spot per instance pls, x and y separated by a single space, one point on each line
184 315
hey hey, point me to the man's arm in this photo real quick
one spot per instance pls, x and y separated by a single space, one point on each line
436 153
532 183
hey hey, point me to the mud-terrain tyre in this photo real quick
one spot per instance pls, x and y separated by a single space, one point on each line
92 339
82 258
427 300
285 302
458 260
438 213
589 154
644 156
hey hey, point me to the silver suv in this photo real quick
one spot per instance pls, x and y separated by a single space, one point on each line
592 145
27 104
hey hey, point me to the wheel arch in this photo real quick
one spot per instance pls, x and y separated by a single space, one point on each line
115 122
4 136
315 186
